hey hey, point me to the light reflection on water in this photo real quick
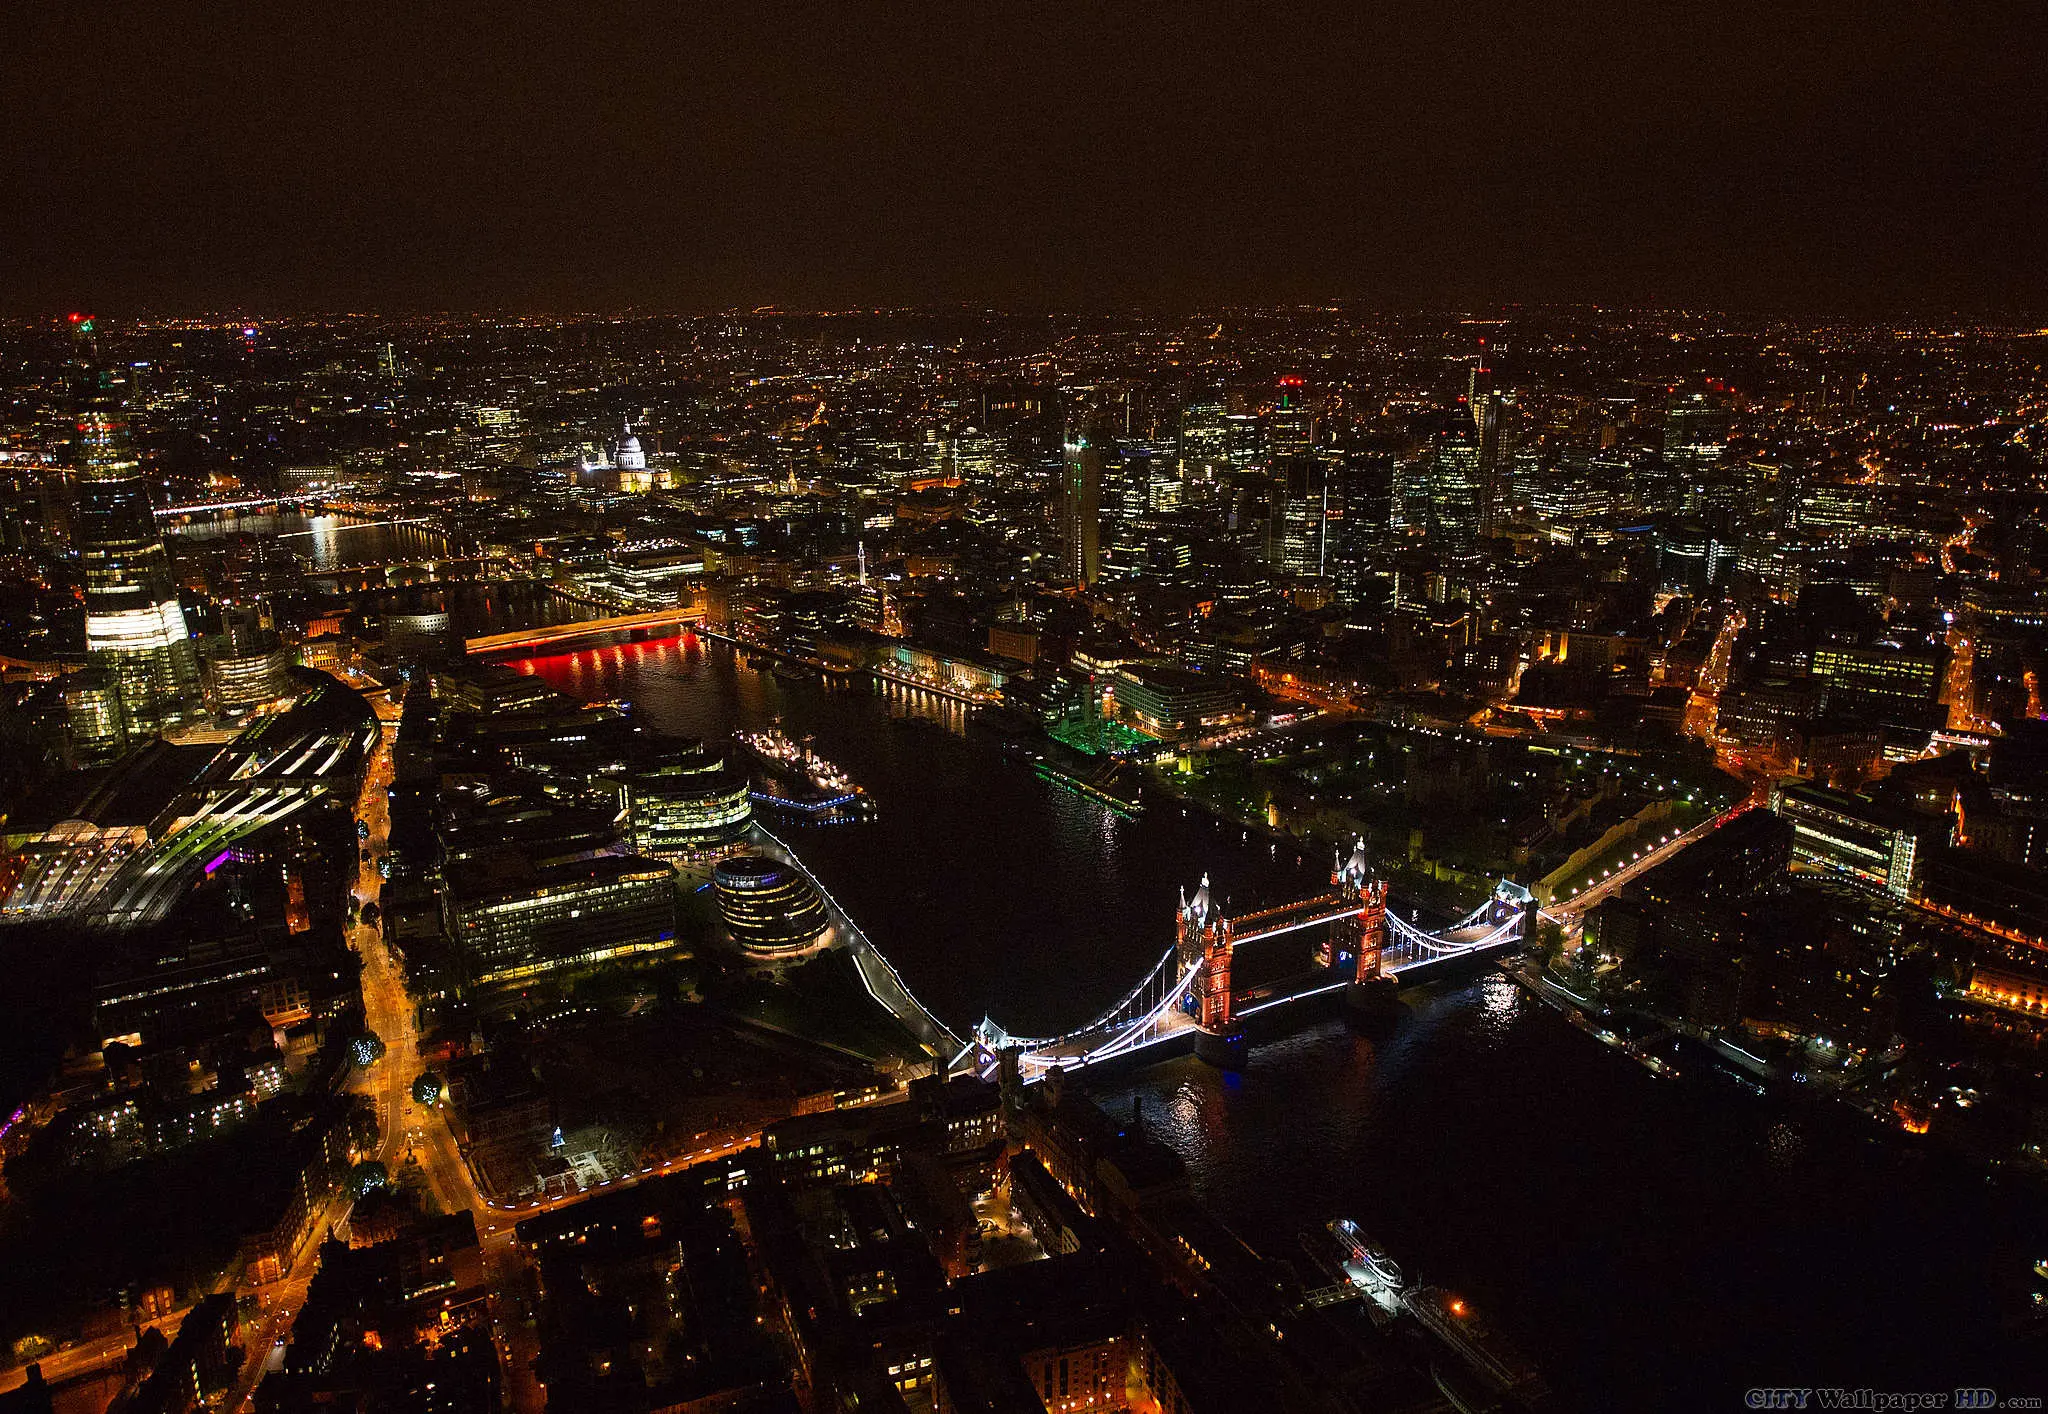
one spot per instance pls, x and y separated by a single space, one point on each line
1655 1244
992 892
1593 1210
324 542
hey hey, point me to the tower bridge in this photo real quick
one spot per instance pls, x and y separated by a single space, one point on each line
1192 991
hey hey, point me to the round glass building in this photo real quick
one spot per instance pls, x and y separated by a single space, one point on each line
769 908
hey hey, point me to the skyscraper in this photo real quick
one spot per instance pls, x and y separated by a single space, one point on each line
1494 425
1204 438
144 666
1454 484
1080 504
1499 424
1291 424
1298 503
1361 514
1695 433
1478 382
1124 501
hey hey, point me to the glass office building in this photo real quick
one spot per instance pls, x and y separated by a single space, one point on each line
687 803
135 634
511 926
769 907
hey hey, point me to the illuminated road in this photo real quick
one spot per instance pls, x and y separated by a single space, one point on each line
283 1299
1569 910
411 1132
1959 541
1704 704
1958 688
1316 694
87 1357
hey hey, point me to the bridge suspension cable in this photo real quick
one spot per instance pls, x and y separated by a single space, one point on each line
1143 1014
1437 943
1135 1032
1107 1019
1473 917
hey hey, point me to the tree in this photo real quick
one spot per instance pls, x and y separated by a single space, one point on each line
366 1178
366 1049
427 1089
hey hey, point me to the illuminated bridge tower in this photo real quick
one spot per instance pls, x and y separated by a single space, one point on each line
143 667
1205 938
1372 930
1366 936
1370 996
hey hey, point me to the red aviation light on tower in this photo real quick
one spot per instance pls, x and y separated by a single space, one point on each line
1293 380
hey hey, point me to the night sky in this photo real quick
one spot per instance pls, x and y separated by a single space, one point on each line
679 156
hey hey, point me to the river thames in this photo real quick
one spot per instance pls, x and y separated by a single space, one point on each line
1653 1243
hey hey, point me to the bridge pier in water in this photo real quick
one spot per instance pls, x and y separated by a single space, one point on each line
1371 998
1354 913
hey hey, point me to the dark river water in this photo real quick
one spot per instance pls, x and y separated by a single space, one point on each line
322 543
1653 1243
997 893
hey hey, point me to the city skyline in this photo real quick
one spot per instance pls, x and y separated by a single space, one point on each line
1022 709
1357 777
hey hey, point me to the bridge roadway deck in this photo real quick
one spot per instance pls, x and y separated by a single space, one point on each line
588 628
1404 961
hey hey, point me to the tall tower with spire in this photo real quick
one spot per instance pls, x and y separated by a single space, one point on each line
143 669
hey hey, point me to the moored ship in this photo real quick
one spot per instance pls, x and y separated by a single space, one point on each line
795 779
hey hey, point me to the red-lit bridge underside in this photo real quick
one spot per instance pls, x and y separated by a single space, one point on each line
555 635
